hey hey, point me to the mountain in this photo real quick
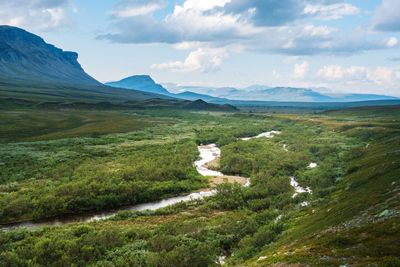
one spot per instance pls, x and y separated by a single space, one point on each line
36 74
203 105
203 90
195 96
145 83
141 83
359 97
251 96
27 57
280 94
33 72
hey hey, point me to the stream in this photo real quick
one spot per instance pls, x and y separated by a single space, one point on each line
208 153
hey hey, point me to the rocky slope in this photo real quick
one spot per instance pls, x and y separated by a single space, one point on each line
27 57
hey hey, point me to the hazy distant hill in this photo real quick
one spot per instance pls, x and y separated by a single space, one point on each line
27 57
280 94
195 96
140 82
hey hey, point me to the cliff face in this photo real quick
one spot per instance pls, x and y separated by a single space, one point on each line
27 57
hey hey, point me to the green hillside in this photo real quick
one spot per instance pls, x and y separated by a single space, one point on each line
358 224
50 92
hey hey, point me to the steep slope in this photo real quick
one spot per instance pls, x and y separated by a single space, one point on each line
140 82
27 57
358 225
33 72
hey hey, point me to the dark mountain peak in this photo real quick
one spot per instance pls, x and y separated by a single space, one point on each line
203 105
199 102
26 56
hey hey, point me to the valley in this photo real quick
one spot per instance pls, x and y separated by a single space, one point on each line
256 225
132 173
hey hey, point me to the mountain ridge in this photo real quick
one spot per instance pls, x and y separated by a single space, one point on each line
25 56
230 95
278 94
36 74
140 82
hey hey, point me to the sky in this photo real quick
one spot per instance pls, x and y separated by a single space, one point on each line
335 45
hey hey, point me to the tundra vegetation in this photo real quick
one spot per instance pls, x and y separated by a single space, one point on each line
97 160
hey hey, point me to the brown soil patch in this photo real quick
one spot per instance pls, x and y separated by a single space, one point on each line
216 180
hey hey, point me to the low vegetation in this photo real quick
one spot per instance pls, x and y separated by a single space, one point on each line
350 218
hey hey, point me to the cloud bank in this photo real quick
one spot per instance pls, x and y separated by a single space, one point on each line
34 14
287 27
387 16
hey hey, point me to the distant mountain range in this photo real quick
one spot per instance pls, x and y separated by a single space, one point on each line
280 94
33 70
230 95
34 73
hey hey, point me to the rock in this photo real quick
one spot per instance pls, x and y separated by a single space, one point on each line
261 258
385 214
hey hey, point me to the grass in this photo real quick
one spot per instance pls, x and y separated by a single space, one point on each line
347 228
352 218
37 125
125 158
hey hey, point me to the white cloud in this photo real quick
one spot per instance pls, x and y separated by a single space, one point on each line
187 45
300 70
382 75
330 12
132 11
331 72
255 25
392 42
202 59
339 79
37 15
194 21
312 30
378 76
202 5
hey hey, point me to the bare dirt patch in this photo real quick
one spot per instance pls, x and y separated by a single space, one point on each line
216 180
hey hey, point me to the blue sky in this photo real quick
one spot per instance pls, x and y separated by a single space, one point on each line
346 46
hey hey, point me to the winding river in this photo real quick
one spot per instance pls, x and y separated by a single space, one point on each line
208 154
